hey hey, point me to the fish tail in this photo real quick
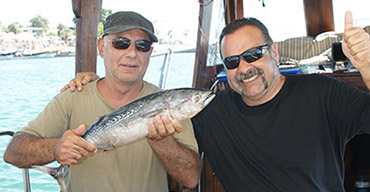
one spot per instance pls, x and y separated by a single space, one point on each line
56 173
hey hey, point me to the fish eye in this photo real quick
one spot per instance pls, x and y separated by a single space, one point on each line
197 97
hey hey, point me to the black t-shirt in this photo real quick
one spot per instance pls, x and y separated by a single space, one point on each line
294 142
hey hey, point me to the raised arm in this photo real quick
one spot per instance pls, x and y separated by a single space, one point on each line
182 163
25 150
356 46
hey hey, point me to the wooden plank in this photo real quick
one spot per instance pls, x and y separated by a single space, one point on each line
229 8
239 9
319 16
76 8
209 181
201 52
233 10
86 33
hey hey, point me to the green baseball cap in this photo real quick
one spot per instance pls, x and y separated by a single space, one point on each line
127 20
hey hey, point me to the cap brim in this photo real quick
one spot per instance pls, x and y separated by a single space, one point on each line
120 29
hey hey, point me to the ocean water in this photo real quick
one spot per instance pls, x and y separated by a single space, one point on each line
27 85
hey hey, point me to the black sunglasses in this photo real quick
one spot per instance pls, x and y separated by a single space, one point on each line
124 43
250 55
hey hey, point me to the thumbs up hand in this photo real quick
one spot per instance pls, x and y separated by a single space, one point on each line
356 46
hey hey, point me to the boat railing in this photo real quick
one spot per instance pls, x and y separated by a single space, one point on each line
164 69
25 172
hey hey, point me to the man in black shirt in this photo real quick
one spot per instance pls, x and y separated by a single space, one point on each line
275 132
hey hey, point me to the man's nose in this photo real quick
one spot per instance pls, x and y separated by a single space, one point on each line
131 51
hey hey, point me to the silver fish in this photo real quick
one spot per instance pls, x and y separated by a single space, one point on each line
129 123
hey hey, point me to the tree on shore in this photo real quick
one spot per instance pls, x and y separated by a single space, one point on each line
104 14
40 22
64 32
15 28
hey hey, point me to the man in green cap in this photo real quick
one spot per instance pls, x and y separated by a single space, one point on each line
54 135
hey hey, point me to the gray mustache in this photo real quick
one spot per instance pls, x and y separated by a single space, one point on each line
248 74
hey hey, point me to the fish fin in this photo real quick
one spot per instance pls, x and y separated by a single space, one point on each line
97 123
56 173
99 120
152 113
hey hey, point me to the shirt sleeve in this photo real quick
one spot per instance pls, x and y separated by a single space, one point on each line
52 121
348 109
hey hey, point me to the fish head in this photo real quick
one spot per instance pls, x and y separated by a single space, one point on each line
186 103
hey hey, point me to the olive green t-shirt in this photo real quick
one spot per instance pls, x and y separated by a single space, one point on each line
133 167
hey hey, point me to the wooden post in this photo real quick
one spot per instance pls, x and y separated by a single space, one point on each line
205 16
233 10
319 16
87 13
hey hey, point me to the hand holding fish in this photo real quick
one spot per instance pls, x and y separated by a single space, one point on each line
161 127
71 147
